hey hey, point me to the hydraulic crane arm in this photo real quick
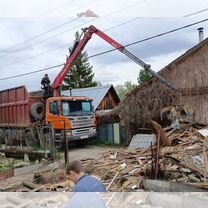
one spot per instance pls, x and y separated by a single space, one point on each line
88 34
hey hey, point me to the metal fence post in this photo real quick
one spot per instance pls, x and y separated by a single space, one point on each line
53 143
66 146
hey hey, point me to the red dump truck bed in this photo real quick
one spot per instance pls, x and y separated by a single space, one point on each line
15 105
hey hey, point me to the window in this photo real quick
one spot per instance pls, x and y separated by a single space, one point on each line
54 108
86 106
69 107
65 108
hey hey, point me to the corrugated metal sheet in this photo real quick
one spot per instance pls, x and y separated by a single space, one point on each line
142 141
15 106
96 93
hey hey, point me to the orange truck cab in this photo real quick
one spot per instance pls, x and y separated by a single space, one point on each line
75 114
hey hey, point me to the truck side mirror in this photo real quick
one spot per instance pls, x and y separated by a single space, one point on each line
93 108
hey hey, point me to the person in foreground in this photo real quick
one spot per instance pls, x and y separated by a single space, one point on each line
83 182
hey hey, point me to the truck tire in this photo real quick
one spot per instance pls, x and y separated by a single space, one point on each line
47 138
2 136
30 139
8 137
14 136
37 111
20 135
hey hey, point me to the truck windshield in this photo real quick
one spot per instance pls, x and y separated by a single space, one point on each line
74 107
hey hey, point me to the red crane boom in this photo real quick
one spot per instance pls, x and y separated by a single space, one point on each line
88 34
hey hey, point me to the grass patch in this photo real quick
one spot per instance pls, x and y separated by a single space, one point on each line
5 167
8 164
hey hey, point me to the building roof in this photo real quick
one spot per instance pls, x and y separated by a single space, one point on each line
97 93
186 54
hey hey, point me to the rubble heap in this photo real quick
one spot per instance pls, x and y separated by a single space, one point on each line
181 156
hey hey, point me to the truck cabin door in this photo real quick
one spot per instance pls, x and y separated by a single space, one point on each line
54 108
54 115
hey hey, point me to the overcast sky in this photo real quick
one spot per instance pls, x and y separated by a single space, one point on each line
22 20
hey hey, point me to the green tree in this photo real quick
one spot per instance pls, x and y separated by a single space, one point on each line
81 74
143 76
122 90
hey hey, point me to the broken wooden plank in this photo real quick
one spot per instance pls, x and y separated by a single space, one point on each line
29 185
165 141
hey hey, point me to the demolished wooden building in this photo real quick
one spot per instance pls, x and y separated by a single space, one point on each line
188 74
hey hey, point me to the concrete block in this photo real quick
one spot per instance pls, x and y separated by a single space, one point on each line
165 186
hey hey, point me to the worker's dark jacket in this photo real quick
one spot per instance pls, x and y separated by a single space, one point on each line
45 80
89 184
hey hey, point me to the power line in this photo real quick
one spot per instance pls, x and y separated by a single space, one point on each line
51 50
34 56
152 37
33 72
126 7
36 36
195 13
56 8
107 15
121 24
41 34
44 40
92 2
47 39
108 51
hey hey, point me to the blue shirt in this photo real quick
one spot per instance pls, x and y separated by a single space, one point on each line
89 184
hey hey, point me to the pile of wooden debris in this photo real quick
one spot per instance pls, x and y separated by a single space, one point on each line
179 156
50 178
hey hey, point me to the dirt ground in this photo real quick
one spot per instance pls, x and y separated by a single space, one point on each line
75 153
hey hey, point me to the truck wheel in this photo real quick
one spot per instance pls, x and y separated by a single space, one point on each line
30 139
37 111
2 136
8 137
14 136
47 138
20 135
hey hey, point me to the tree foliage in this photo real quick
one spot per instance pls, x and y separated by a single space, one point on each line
81 74
122 90
143 76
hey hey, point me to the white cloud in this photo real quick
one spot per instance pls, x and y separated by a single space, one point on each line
110 68
159 62
144 8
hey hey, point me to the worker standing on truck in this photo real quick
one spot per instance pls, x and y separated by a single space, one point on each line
83 182
45 82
